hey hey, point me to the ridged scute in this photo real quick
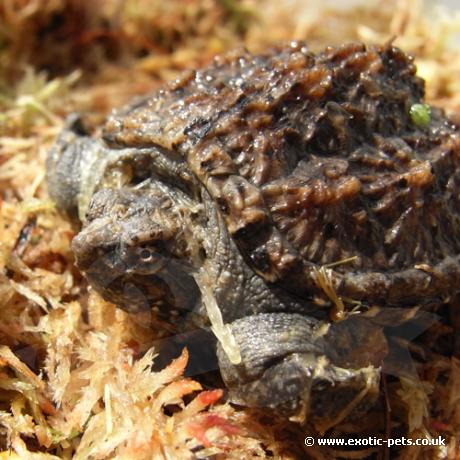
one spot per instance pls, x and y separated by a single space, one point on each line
313 159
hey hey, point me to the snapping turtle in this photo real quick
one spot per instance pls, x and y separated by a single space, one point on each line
279 198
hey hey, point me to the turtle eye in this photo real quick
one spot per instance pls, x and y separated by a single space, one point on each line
145 254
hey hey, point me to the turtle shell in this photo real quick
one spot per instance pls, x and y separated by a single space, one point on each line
313 160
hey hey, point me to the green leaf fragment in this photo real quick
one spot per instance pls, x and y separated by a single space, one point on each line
420 115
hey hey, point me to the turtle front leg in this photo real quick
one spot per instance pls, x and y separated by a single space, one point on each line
289 363
69 167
